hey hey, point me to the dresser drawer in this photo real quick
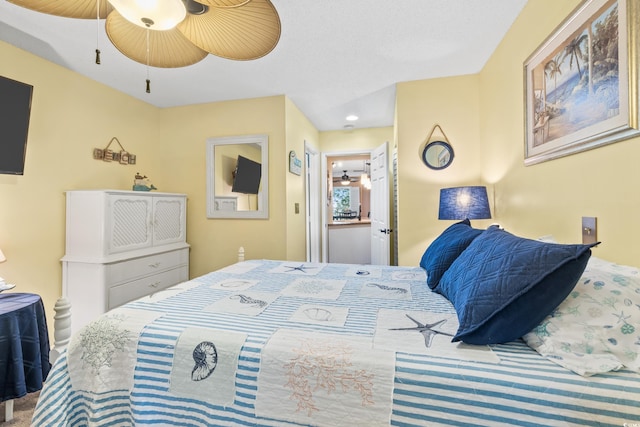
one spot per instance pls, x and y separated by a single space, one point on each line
135 289
125 271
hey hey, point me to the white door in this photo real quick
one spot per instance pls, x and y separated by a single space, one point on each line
312 174
380 206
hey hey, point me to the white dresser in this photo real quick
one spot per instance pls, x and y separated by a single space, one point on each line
120 246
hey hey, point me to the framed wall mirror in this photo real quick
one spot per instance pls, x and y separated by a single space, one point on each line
437 155
238 177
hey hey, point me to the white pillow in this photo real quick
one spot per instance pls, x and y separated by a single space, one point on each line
596 329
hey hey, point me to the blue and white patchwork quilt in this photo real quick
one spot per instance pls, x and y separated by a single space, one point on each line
273 343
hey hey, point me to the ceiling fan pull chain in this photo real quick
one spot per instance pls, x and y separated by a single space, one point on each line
148 81
98 32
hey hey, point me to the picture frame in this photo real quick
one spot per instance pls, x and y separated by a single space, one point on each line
581 83
295 164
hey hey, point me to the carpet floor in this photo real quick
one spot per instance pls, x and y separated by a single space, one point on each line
22 411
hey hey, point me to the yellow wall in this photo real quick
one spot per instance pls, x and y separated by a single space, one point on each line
551 197
298 130
183 135
454 104
357 139
70 116
483 117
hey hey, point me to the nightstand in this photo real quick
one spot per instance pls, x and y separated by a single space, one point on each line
24 340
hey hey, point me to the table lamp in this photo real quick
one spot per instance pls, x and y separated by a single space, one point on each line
464 203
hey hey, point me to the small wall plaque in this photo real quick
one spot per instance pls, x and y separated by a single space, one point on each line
295 164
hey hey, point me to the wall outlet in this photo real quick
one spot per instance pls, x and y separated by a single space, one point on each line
589 230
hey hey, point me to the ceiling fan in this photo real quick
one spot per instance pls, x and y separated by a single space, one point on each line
345 179
176 33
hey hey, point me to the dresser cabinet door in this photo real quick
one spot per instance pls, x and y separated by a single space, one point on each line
129 223
169 219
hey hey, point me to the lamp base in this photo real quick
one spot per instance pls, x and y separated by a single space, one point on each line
5 286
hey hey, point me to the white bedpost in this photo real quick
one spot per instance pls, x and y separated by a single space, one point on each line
241 254
61 327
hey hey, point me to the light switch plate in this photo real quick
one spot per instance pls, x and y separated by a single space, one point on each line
589 230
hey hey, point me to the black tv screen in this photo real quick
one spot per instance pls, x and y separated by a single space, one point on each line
247 177
15 109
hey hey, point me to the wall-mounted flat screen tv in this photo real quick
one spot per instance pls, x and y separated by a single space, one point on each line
247 176
15 109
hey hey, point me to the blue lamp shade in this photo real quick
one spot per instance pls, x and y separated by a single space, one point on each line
464 203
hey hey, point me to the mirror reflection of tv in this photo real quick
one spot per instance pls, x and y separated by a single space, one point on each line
15 109
247 176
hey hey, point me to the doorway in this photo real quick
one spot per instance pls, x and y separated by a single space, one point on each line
348 210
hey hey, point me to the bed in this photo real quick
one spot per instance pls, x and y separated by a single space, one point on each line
276 343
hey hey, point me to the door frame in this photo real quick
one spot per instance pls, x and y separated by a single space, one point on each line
312 187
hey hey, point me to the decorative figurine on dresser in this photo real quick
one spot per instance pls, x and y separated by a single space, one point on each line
142 183
120 246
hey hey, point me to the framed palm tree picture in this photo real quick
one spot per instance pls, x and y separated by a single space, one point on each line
581 84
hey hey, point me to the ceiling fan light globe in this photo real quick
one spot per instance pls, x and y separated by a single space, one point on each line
158 15
345 180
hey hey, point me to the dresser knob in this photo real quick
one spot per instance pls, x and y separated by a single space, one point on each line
154 265
154 285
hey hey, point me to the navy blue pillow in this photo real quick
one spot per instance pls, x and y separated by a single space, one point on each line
445 249
503 286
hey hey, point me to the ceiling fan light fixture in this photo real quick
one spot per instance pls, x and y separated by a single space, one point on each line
157 15
195 8
345 179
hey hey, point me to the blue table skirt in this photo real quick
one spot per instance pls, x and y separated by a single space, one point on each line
24 345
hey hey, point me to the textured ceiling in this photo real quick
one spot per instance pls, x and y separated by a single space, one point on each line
334 58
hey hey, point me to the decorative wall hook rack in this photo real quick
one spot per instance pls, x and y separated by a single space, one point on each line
108 155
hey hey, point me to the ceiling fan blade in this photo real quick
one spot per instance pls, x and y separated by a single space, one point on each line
244 32
224 3
167 49
84 9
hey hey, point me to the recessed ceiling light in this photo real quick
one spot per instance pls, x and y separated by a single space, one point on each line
352 117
